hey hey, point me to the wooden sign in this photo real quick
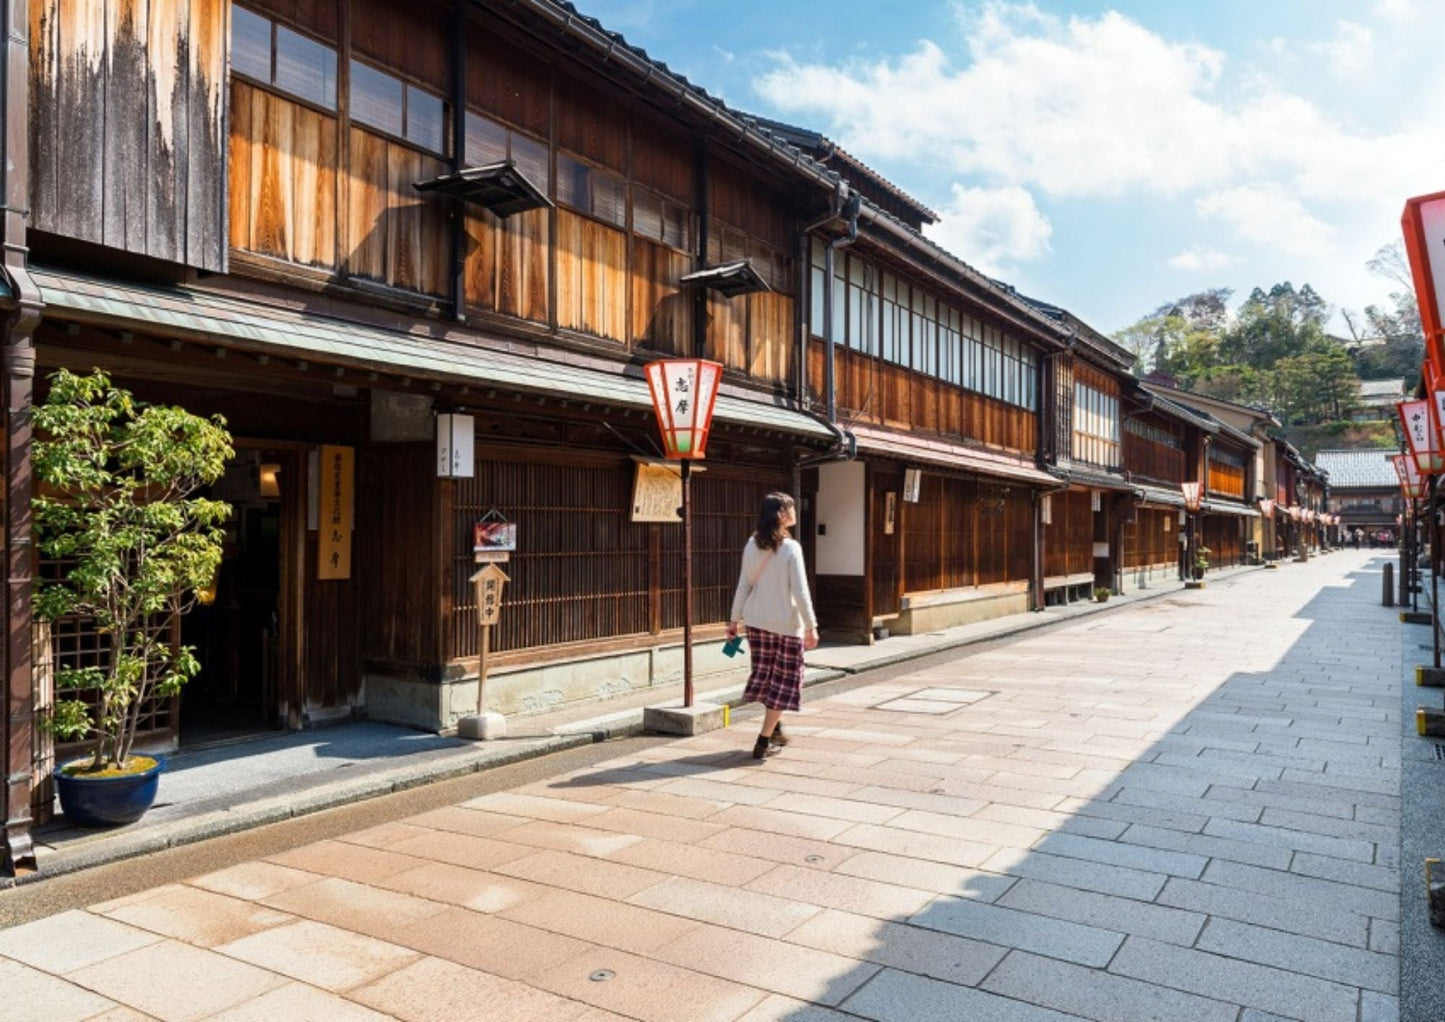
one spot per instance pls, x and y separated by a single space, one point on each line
657 492
333 551
489 581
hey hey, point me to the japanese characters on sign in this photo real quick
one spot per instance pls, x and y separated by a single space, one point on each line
456 446
333 551
489 582
684 391
656 493
1422 434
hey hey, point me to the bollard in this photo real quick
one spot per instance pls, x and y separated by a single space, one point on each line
1387 598
1434 893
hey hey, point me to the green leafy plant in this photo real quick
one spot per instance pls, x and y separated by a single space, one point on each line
117 509
1102 593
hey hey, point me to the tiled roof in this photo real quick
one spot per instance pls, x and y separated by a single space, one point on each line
1382 388
1358 469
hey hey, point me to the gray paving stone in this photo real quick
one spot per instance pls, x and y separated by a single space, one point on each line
1360 874
1299 840
1244 983
1289 915
1191 823
1225 772
1170 780
1343 807
1134 856
1207 807
1081 873
1089 993
1380 782
1309 891
1123 915
894 996
1054 938
1358 797
1384 937
1351 965
1210 847
1379 1007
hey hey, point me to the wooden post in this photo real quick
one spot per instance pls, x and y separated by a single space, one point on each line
687 584
482 670
488 582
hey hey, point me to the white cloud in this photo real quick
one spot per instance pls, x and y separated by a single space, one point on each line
1200 257
1267 215
1352 50
1394 10
992 227
1103 107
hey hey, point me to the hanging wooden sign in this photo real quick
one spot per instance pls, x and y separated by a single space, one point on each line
657 492
336 492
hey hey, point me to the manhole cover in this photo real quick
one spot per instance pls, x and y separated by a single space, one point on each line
815 859
602 975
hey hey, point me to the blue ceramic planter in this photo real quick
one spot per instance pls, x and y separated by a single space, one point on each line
107 801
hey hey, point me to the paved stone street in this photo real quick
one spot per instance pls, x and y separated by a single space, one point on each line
1183 809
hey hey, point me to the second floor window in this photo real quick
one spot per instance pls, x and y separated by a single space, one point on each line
390 105
287 61
591 190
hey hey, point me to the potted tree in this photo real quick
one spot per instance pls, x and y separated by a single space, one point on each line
117 509
1201 561
1102 594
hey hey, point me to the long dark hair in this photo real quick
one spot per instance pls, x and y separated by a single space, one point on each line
770 532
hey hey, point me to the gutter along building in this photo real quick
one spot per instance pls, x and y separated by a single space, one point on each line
347 228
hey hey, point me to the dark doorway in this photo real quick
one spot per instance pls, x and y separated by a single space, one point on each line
236 630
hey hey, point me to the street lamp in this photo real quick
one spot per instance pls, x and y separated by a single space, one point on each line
1193 500
684 391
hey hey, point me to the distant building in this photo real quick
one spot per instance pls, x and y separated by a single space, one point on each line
1377 400
1364 490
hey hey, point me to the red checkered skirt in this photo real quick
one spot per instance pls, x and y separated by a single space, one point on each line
776 680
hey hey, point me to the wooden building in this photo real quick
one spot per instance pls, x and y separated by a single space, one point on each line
1364 490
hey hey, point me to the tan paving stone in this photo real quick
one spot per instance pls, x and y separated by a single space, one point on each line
665 804
535 807
476 889
348 861
937 877
386 834
601 921
648 990
925 952
571 837
436 990
373 911
477 822
693 861
147 980
802 972
833 808
319 954
253 880
71 940
579 873
751 911
24 990
777 1008
760 844
297 1002
102 908
198 917
490 943
777 821
459 850
632 821
916 845
834 890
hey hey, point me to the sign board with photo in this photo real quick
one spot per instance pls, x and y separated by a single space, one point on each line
494 535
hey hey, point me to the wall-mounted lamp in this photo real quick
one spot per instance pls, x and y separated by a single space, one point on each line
270 483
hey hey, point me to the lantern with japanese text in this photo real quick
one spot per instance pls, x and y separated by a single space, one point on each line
1423 223
1193 496
1422 434
684 391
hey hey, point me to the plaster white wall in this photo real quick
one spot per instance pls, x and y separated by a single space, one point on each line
841 517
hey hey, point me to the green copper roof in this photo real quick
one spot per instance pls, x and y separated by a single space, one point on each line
425 349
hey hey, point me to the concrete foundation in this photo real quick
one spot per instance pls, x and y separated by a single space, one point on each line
932 612
483 726
685 720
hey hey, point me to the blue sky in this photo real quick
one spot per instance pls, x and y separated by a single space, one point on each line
1104 157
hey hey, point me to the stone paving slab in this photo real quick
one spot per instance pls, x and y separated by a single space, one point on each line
1185 830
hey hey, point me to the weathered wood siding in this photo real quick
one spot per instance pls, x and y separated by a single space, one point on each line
592 278
964 533
1069 538
398 614
128 125
1152 539
393 235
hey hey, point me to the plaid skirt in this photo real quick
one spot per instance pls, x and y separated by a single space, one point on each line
776 680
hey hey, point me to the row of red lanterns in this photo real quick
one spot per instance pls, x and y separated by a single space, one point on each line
1423 418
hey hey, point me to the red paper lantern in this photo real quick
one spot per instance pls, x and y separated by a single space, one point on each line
1193 495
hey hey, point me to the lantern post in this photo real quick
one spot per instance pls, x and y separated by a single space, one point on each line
1193 500
684 391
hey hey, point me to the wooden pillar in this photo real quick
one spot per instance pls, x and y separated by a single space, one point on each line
17 361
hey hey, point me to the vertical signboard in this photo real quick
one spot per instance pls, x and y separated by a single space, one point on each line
333 552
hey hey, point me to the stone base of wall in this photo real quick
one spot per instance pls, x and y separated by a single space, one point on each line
1143 577
931 612
523 691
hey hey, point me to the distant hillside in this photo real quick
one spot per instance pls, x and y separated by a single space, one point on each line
1334 436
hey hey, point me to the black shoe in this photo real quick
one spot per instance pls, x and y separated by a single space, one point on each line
762 747
778 738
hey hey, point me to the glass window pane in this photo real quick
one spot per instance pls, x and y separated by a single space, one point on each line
250 44
609 198
305 68
532 159
486 141
676 226
426 120
647 214
376 99
572 182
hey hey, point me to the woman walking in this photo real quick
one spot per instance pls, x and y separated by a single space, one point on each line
773 601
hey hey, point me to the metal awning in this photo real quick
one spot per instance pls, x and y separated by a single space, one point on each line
729 279
1159 495
911 448
498 187
427 349
1095 479
1226 507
